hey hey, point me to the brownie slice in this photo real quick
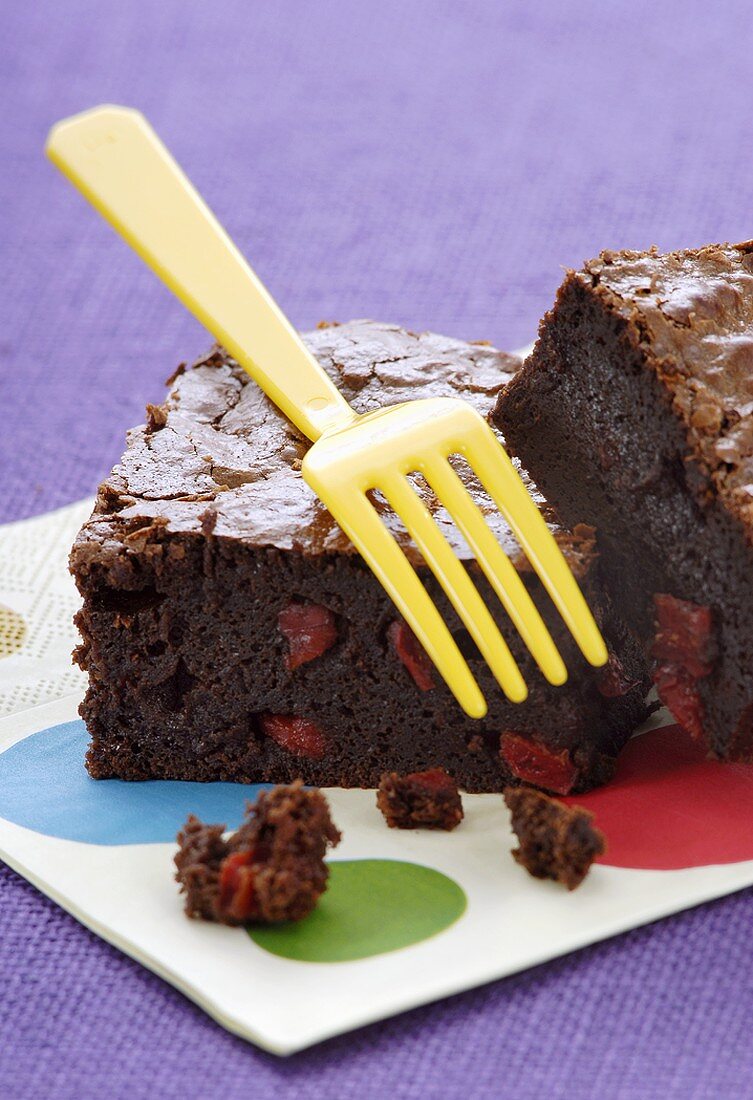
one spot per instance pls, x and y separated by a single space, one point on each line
635 413
421 800
230 630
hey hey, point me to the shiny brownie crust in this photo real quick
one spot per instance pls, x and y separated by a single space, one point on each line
230 631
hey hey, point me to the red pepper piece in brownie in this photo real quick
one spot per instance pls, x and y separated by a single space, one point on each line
412 654
684 635
237 900
614 682
684 648
271 870
556 841
533 762
310 630
428 800
678 691
300 736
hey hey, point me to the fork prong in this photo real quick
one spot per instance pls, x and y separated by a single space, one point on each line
501 480
363 526
458 586
499 570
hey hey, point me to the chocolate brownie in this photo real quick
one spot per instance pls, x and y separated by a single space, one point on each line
635 413
270 870
230 630
421 800
556 841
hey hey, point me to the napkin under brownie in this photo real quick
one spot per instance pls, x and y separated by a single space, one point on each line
635 413
230 631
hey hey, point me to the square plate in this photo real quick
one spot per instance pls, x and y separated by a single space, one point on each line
429 914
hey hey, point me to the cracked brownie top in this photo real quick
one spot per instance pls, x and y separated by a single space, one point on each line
218 456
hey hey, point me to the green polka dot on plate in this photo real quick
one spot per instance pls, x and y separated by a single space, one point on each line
371 906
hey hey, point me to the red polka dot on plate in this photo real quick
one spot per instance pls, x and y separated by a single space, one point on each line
669 807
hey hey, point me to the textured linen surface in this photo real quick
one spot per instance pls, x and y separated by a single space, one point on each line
429 162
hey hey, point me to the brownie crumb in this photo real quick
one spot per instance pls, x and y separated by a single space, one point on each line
421 800
180 369
156 417
271 870
556 841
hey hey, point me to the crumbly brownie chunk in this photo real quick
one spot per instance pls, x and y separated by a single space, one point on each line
421 800
231 631
635 413
272 869
556 841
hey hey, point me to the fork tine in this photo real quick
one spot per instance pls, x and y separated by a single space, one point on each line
499 570
458 586
387 561
501 480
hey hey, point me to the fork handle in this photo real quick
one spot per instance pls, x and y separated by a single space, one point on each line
117 161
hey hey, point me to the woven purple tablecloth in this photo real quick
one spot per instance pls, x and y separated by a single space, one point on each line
423 161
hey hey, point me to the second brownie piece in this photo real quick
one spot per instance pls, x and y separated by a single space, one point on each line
635 413
230 631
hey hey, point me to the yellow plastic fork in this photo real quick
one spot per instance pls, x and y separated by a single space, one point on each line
114 157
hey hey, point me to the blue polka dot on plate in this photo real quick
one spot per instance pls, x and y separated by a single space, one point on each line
44 786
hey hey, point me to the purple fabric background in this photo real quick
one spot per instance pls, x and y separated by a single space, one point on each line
428 162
